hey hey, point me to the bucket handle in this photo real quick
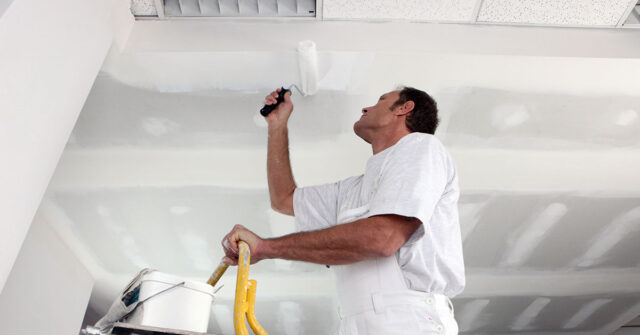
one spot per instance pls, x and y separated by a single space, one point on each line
149 297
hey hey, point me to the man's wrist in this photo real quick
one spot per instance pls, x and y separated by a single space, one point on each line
274 129
266 248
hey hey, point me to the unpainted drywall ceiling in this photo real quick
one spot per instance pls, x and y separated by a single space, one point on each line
164 160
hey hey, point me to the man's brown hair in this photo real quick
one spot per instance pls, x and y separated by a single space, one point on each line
424 116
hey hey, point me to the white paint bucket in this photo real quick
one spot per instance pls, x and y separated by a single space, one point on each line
173 303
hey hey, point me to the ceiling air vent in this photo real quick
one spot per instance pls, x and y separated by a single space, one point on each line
223 8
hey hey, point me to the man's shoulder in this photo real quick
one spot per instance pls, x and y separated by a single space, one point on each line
417 137
420 142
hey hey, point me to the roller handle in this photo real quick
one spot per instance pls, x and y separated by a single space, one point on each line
269 108
217 274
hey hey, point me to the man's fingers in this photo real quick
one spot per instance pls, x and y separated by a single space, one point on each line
269 100
229 261
229 246
273 97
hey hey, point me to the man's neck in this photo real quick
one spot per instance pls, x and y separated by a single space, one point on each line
384 142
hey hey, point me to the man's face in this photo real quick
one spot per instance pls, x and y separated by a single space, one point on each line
377 116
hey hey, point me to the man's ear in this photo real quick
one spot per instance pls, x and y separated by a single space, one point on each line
406 108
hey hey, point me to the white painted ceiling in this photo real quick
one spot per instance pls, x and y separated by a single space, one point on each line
582 13
169 153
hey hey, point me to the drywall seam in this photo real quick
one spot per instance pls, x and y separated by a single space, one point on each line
622 320
522 244
611 235
469 315
529 314
585 312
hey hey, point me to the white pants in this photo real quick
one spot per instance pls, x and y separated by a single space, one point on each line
425 314
375 299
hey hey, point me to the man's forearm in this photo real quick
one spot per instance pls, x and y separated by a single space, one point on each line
279 175
341 244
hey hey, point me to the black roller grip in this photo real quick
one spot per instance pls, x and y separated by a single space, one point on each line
269 108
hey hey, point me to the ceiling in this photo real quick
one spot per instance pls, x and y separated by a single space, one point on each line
169 153
566 13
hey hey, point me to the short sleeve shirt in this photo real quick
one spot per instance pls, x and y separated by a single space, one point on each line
417 178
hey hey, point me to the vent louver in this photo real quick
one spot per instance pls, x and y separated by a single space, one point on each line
238 8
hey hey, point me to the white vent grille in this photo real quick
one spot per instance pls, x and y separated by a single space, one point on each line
238 8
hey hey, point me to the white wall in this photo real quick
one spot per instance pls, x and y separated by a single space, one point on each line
48 289
50 54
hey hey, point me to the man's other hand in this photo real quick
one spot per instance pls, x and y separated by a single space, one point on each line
230 245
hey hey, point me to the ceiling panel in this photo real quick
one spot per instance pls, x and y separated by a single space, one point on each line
144 8
555 12
413 10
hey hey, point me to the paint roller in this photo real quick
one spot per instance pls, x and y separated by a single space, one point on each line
308 66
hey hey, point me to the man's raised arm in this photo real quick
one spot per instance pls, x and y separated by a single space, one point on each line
279 175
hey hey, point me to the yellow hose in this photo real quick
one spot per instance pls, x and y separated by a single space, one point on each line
251 313
245 296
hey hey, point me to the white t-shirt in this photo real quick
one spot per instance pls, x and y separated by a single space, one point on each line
416 177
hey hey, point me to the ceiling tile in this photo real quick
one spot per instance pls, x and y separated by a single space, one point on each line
554 12
143 8
413 10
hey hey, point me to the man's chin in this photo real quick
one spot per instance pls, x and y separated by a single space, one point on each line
357 129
